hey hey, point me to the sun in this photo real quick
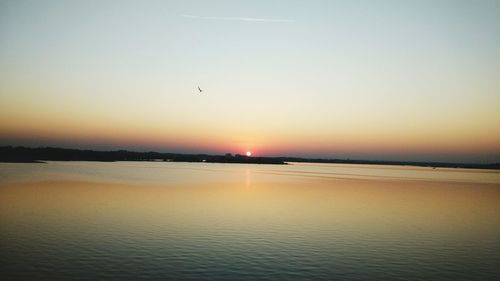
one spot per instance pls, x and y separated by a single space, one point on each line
249 153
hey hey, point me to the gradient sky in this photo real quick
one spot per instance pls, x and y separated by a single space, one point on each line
404 80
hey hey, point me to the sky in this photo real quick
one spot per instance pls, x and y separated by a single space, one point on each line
388 80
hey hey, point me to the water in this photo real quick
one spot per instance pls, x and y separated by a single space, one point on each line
197 221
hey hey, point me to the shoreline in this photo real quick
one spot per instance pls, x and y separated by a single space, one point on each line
11 154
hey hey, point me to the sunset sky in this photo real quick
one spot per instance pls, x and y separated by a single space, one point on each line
395 80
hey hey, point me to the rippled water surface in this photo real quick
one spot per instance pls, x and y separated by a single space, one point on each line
197 221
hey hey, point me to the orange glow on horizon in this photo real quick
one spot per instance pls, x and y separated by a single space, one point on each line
88 133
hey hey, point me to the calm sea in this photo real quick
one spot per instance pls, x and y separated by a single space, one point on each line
198 221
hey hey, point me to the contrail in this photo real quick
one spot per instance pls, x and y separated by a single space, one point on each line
236 19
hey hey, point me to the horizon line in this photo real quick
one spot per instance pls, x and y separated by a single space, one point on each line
366 161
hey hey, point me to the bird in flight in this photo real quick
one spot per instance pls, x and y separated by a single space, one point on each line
199 89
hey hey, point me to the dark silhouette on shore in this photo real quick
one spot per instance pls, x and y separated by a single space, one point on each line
37 155
27 155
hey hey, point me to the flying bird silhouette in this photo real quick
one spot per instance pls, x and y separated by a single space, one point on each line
199 89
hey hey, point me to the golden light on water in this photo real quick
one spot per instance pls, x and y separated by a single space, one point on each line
276 198
289 217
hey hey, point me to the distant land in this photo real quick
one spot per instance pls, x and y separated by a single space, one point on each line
22 154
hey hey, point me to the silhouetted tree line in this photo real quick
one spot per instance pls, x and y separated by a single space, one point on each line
26 154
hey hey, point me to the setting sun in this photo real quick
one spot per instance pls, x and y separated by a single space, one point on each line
127 130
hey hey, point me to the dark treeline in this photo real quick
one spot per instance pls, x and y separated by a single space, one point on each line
25 154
